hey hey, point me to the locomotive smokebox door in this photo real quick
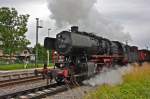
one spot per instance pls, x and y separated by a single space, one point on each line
49 43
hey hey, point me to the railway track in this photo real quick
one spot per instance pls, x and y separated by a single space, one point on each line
16 78
39 92
36 93
18 81
29 93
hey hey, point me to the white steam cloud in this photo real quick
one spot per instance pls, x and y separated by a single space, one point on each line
109 76
84 14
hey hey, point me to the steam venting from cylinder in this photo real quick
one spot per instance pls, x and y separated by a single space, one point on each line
84 13
109 76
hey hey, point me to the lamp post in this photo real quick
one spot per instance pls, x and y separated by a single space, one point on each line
48 31
48 50
147 47
37 30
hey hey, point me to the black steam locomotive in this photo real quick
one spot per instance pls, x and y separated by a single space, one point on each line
81 55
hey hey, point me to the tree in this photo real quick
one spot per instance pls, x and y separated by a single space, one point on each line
42 53
12 30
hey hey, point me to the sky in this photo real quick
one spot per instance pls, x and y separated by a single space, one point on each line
133 15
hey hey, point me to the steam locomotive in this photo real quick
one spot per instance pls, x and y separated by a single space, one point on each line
80 55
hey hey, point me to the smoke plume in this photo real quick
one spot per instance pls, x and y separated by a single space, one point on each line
84 14
109 76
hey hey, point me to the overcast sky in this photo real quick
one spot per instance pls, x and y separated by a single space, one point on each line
134 15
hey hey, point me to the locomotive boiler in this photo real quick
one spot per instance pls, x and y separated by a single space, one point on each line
74 43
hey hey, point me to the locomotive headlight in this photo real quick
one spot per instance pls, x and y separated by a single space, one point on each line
61 65
55 52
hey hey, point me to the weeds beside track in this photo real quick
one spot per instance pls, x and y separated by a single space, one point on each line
136 85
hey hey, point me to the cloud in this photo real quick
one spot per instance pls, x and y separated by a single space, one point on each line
132 14
86 16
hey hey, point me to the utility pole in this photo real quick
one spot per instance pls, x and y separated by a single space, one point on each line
126 42
48 50
48 31
37 30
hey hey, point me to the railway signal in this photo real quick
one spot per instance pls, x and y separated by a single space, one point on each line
37 30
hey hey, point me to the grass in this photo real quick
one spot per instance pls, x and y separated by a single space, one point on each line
136 86
19 66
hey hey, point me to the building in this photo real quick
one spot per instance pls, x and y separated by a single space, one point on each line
25 55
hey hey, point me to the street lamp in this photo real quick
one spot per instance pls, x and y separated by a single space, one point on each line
147 47
48 50
37 30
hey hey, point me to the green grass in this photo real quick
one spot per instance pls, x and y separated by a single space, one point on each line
136 86
19 66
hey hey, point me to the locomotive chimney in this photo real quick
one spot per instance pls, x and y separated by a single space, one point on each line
74 29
